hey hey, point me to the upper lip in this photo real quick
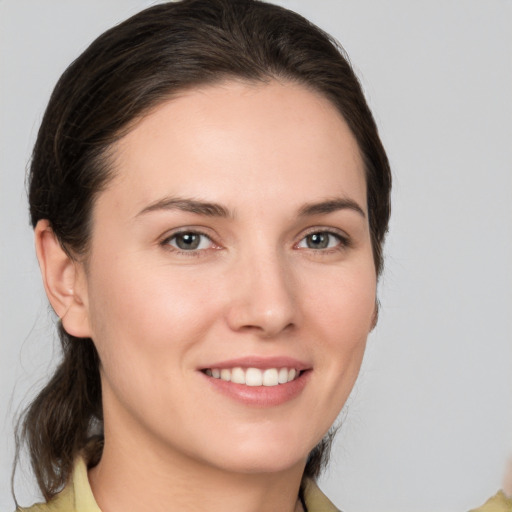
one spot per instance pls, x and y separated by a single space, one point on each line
260 362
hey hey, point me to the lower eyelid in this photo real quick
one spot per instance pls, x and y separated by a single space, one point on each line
166 242
343 240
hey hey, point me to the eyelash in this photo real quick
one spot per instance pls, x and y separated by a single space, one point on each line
166 243
343 242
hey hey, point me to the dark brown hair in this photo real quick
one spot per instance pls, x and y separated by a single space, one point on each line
123 74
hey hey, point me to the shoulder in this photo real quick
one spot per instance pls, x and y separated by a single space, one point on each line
38 507
52 506
64 501
498 503
55 505
75 497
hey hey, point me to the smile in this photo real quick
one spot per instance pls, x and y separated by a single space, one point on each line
254 376
258 381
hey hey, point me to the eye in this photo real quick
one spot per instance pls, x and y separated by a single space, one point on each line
189 241
322 240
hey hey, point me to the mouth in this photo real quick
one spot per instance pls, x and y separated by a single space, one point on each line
255 377
259 381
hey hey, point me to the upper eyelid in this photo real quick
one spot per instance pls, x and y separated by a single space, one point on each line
186 229
324 229
165 240
344 240
202 230
165 243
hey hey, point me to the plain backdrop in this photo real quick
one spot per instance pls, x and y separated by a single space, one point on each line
429 425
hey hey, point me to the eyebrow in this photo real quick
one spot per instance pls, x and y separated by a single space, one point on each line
188 205
330 206
209 209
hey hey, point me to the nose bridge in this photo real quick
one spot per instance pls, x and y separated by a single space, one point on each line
263 296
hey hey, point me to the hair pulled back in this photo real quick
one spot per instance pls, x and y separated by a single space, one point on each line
123 74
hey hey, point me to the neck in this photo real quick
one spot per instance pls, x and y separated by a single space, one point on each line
142 478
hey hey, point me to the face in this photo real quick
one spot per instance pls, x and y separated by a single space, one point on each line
230 285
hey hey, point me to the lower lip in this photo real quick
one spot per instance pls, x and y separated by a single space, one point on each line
261 396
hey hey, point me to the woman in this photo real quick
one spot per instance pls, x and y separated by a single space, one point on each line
149 244
210 197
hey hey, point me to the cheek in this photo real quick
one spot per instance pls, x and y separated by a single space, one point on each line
145 326
343 313
344 304
141 293
145 313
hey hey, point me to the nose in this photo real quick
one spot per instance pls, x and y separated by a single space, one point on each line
262 298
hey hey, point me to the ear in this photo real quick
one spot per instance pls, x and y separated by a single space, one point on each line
64 281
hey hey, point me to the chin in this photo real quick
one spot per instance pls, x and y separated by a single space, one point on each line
263 457
271 462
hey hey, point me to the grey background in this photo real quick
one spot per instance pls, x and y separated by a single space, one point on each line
429 425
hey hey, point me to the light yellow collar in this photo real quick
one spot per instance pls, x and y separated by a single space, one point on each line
77 496
84 499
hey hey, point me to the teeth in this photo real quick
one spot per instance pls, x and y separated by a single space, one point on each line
270 377
254 376
237 376
225 374
283 376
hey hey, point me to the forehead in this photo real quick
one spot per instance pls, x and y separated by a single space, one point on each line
249 141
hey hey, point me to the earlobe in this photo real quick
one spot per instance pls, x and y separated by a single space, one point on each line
64 281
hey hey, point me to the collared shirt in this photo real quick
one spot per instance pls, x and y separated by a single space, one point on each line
77 496
498 503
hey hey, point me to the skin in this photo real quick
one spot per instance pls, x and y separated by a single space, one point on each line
254 287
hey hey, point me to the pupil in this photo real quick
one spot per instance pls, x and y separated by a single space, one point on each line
318 241
188 241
